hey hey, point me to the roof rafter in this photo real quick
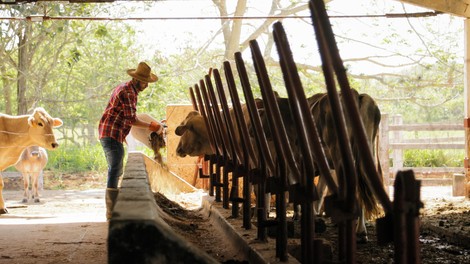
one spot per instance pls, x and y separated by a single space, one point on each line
454 7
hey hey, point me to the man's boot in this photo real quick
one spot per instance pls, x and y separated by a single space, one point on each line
111 196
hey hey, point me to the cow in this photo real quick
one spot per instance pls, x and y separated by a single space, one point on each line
323 118
196 143
31 163
19 132
150 139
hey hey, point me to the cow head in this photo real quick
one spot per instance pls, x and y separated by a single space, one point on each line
40 128
194 139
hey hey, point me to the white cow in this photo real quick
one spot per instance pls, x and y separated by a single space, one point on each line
19 132
31 163
323 117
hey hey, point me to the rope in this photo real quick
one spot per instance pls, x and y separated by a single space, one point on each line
20 134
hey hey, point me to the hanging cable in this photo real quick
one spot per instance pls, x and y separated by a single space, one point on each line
40 18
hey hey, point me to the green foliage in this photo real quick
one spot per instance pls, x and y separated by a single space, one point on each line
77 159
75 64
433 158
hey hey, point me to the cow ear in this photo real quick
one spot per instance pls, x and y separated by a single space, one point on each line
57 122
179 131
31 121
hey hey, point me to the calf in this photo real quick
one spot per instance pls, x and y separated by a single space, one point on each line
31 163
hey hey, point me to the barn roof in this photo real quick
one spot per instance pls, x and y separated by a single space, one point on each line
455 7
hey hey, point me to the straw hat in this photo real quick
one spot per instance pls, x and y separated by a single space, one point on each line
143 73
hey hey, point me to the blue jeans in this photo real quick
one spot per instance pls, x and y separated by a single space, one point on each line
114 152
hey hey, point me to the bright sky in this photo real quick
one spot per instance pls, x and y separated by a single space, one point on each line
170 36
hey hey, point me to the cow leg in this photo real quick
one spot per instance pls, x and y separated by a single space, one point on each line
41 181
361 231
25 187
3 209
321 189
34 186
291 193
267 200
297 209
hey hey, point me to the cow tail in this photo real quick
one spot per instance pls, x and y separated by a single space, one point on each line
367 198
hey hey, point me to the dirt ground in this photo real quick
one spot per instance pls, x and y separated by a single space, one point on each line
69 226
445 232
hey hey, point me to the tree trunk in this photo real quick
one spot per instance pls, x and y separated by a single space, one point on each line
23 68
6 80
234 40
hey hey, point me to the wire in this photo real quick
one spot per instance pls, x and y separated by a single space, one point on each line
39 18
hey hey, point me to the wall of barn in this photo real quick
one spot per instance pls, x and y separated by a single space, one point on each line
183 167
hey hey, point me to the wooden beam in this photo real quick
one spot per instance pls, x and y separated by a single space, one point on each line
454 7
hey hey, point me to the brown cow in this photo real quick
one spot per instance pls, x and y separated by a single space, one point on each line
20 132
194 139
31 163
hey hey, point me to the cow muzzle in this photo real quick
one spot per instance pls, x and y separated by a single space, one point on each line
180 152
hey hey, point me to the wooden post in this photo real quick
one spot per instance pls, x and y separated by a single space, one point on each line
183 167
466 102
384 150
397 154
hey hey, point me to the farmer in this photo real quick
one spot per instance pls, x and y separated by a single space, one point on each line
116 122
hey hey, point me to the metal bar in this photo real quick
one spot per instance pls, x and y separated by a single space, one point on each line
260 137
320 19
282 145
266 165
234 138
236 152
219 160
249 158
203 112
193 99
298 107
282 142
228 159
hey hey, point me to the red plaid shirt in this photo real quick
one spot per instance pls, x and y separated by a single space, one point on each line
120 113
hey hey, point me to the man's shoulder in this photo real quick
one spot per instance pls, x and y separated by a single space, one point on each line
125 87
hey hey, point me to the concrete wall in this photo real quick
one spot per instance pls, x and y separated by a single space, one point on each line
137 231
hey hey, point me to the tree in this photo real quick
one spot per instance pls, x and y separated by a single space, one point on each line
66 66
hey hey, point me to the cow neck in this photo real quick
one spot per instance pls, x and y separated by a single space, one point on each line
14 130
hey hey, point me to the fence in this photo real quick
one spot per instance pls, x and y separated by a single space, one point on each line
393 143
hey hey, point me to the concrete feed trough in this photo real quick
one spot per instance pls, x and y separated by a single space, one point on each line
137 234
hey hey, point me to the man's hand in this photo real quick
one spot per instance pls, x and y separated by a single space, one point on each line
156 127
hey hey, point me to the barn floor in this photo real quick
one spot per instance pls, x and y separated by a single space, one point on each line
69 226
65 227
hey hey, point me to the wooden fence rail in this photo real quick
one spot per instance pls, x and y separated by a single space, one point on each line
392 143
